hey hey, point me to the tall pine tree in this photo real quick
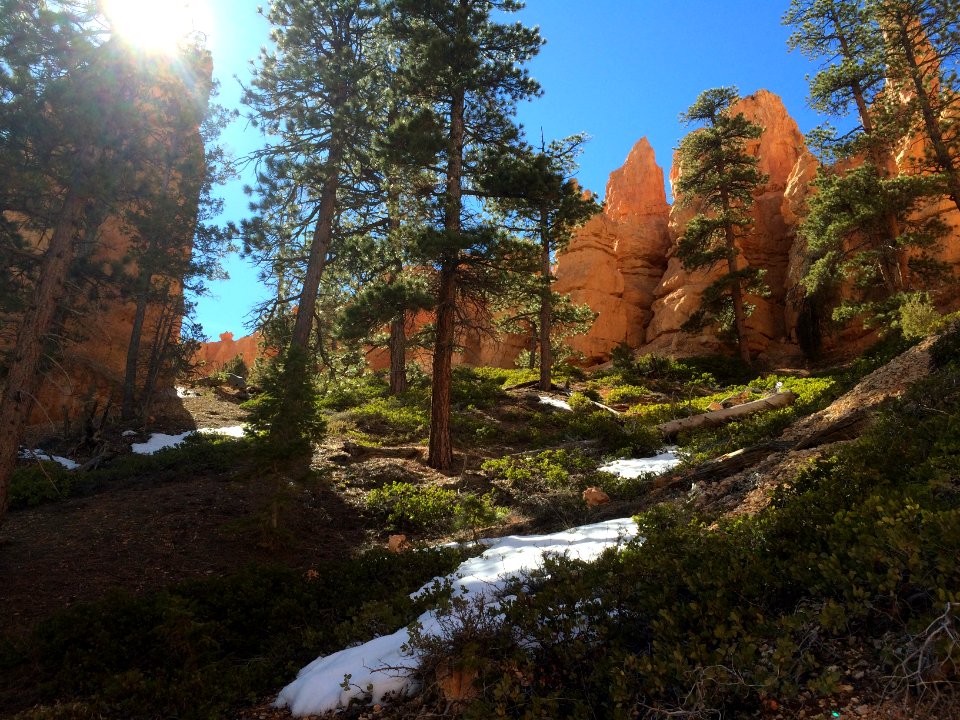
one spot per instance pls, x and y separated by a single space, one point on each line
719 178
467 70
311 96
537 196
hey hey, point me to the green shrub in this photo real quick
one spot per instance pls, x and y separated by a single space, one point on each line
404 506
393 420
236 366
549 469
40 482
853 563
581 403
200 453
205 648
349 392
627 394
917 316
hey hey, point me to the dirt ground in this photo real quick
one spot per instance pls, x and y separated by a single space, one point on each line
149 535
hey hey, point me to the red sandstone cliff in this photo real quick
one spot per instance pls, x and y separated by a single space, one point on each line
87 373
616 261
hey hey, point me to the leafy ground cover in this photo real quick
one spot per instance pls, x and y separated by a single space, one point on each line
524 466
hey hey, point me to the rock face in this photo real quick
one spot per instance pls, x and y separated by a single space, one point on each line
617 260
213 355
767 246
94 333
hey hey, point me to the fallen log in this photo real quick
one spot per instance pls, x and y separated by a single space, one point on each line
718 417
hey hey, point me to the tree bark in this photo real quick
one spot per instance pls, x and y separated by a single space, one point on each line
546 310
718 417
931 122
128 404
736 293
24 370
398 355
441 446
319 247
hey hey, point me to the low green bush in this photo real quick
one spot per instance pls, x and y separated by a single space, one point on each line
428 508
546 470
203 453
393 420
852 565
404 506
627 394
205 648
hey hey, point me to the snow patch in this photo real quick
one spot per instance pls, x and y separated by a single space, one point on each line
41 455
160 441
386 667
554 402
635 467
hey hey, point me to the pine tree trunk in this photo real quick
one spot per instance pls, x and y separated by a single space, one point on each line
441 446
23 373
931 123
398 355
128 404
319 247
736 291
546 310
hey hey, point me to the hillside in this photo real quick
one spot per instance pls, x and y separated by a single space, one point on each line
201 513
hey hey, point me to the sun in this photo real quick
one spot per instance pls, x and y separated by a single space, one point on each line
156 25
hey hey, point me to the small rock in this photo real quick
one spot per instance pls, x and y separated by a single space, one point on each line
863 710
594 496
397 543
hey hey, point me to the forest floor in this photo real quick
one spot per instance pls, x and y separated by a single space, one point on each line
154 531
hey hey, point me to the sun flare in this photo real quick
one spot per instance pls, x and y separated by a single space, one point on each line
157 25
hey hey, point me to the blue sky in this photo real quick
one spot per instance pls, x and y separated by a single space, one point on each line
618 70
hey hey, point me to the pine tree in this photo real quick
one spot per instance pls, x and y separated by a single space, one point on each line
311 97
172 212
921 49
719 177
467 70
538 197
861 227
72 131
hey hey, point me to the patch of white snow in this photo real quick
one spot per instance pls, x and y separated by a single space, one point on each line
41 455
384 666
635 467
555 402
159 441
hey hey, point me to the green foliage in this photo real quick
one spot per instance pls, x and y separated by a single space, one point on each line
918 316
404 506
431 509
237 366
39 483
394 420
711 617
473 512
479 387
204 648
721 178
627 394
581 403
286 409
546 470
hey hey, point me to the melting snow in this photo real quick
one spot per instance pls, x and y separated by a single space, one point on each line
386 667
634 468
159 441
554 402
41 455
